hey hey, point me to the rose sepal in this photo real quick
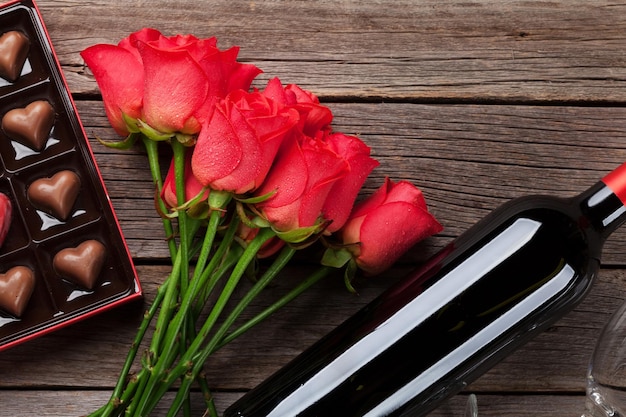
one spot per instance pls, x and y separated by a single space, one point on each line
336 258
131 123
349 274
257 199
301 234
252 221
151 133
198 207
123 144
186 139
218 200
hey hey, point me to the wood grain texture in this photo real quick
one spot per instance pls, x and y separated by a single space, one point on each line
414 50
467 159
474 101
76 403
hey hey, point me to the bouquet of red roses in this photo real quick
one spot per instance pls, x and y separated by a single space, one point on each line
256 173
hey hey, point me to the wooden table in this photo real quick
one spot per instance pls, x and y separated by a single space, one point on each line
476 102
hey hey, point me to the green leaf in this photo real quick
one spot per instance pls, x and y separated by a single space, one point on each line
336 258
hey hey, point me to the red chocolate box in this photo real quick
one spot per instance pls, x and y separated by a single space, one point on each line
64 257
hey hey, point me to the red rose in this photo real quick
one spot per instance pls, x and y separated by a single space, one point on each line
387 224
314 117
346 189
169 83
236 147
316 181
192 185
302 177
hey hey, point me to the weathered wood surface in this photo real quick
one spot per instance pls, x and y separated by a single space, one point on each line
474 101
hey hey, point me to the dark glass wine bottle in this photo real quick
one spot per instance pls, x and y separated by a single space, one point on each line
503 281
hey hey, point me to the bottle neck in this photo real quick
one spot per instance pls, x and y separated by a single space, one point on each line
604 204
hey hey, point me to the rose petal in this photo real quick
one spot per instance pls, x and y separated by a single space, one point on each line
345 191
325 168
389 231
175 88
240 178
405 191
373 201
119 75
217 150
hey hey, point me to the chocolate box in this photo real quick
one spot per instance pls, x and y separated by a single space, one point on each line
64 257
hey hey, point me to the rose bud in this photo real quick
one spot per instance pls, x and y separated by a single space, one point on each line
237 146
345 190
314 117
301 179
193 188
385 225
164 84
315 181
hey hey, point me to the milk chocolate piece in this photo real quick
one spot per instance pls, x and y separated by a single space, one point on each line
14 47
16 287
82 264
55 195
31 125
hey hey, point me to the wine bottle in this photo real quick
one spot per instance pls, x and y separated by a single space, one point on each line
503 281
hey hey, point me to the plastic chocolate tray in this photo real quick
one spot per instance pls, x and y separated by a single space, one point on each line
64 257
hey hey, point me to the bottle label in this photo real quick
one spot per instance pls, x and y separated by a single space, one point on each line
616 181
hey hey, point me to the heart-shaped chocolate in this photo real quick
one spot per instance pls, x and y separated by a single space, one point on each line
14 46
82 264
16 287
55 195
30 125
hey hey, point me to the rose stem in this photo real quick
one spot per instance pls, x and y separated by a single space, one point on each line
167 357
295 292
153 160
279 263
155 169
225 257
143 327
184 364
183 227
176 325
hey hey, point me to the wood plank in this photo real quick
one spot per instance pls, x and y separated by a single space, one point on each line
89 355
515 405
74 403
467 159
391 75
477 50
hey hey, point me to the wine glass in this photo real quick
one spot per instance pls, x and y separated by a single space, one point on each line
471 409
606 378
